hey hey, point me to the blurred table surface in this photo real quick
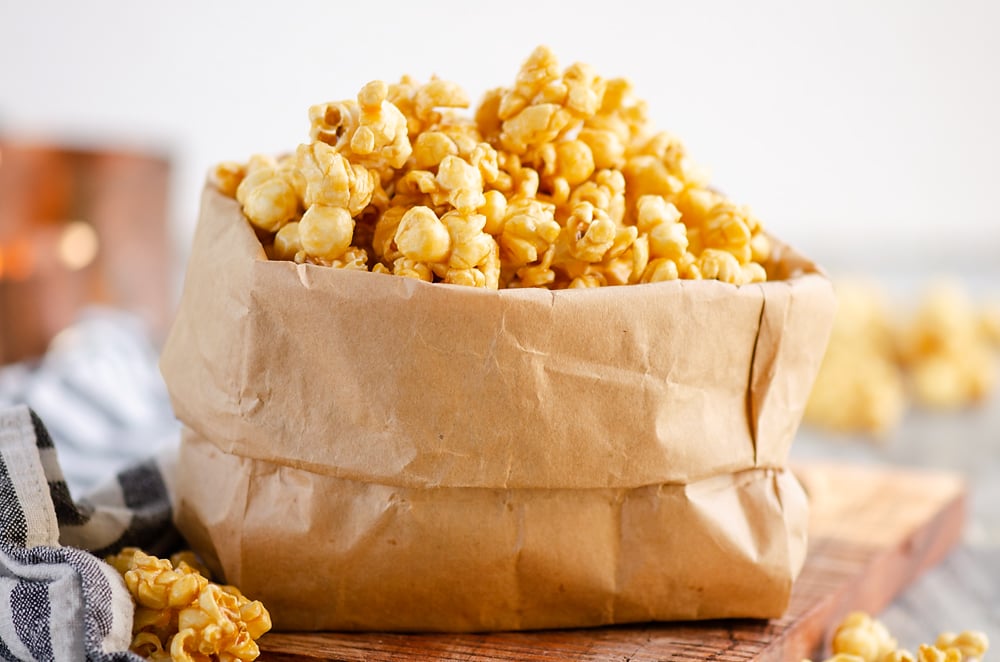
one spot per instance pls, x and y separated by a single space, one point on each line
963 592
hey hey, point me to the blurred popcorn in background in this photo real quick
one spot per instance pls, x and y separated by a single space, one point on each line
941 355
947 349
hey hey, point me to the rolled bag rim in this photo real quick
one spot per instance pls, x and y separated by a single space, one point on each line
216 357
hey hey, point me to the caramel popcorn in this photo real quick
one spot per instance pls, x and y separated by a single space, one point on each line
989 323
267 193
946 352
942 356
557 181
421 236
928 653
181 616
227 177
330 179
859 387
860 638
971 644
325 231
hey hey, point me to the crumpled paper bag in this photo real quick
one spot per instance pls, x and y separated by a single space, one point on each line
364 451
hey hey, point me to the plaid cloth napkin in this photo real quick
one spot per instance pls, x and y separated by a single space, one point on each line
58 599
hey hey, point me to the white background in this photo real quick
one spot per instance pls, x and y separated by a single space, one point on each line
863 132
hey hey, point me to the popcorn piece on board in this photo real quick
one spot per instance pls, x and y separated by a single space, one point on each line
182 616
860 638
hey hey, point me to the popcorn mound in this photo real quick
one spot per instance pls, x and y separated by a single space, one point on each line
560 181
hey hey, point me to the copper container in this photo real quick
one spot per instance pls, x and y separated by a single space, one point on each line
79 227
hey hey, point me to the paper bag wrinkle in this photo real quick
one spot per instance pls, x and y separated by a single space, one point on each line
794 501
509 458
721 514
215 523
777 396
250 401
491 362
751 408
763 542
618 544
520 591
302 271
808 306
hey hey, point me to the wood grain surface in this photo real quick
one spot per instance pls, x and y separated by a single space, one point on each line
872 531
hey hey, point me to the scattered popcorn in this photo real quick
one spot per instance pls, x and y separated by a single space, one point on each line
860 638
859 387
558 181
181 616
943 357
990 323
944 349
971 644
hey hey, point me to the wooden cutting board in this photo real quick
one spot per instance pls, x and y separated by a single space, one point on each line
872 531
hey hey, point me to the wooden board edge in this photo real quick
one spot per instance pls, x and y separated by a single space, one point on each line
893 569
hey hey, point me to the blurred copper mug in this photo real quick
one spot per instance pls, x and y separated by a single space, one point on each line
79 227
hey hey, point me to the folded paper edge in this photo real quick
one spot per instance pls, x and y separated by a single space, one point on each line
778 573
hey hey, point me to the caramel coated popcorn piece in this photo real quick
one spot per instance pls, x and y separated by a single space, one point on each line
325 232
970 643
268 196
330 179
861 635
227 177
591 232
421 236
382 135
431 147
287 244
928 653
557 181
660 220
720 265
461 182
527 231
437 94
470 245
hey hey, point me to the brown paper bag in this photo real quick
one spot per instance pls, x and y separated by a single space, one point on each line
372 452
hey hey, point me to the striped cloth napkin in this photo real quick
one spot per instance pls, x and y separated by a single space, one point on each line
58 599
